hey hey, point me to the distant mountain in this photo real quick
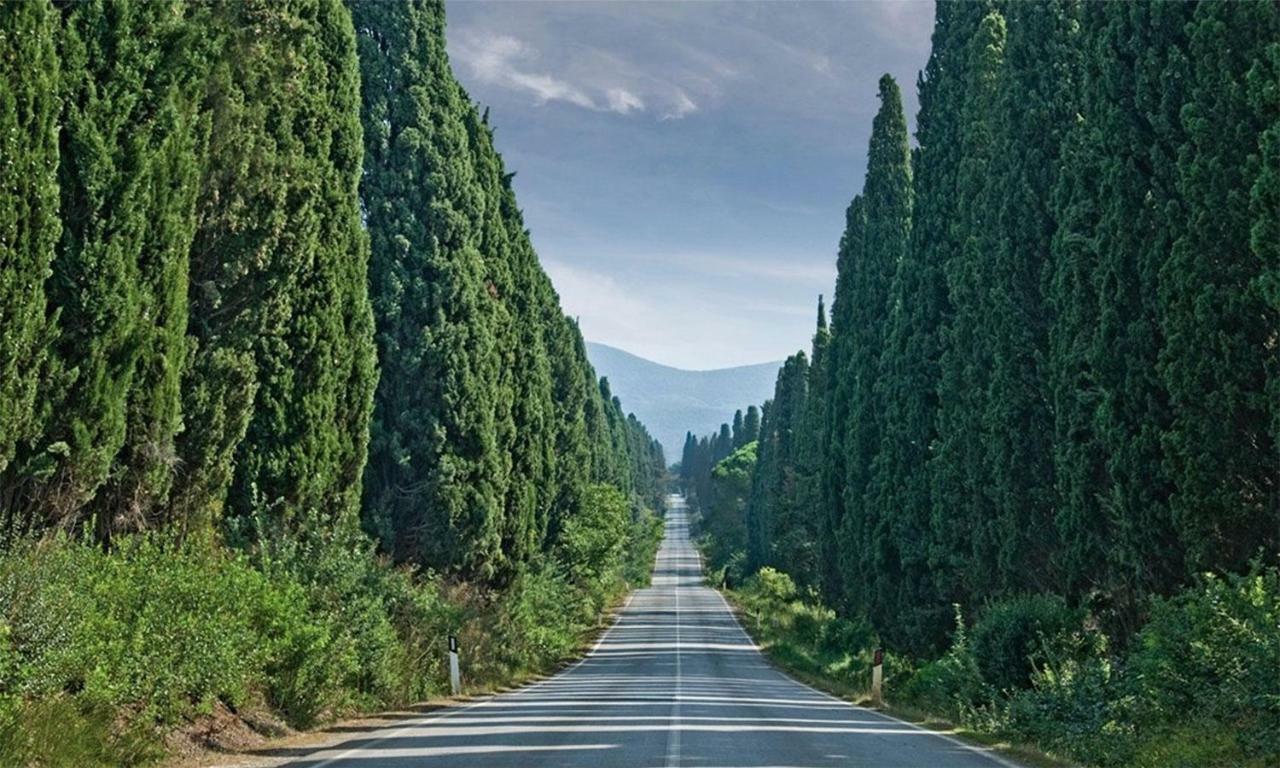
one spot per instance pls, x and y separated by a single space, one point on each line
672 401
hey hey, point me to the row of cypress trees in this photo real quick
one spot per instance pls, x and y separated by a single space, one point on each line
700 455
1051 365
259 256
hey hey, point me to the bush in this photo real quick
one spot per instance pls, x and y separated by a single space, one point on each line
951 685
1016 636
1212 653
161 630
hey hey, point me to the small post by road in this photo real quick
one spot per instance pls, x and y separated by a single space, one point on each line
877 678
455 677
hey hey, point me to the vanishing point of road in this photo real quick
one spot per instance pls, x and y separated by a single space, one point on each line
674 682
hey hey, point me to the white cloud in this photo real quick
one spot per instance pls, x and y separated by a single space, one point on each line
683 105
592 78
623 101
494 59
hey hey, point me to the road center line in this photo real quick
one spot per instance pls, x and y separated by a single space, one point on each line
673 740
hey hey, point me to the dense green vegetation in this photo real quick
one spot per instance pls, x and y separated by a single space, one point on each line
285 396
1047 396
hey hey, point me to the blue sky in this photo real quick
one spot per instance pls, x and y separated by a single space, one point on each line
684 168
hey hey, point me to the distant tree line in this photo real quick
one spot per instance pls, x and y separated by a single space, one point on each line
262 264
1052 358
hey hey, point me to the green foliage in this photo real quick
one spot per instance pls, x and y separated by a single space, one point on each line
1213 651
128 80
488 421
1219 328
305 445
29 223
1015 636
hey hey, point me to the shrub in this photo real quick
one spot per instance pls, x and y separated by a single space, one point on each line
1015 636
1212 652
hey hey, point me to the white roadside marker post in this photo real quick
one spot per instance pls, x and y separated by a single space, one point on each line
455 677
877 678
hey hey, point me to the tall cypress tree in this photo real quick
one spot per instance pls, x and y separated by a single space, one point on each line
965 535
788 538
572 458
305 444
751 425
1036 103
1220 329
919 304
127 181
29 223
838 393
1118 215
887 201
810 440
738 435
1264 201
434 486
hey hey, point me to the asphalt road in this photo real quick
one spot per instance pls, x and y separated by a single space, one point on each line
674 682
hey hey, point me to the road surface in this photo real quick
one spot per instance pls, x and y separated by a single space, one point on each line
674 682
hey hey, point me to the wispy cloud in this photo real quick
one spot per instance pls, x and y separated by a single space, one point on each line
497 59
592 78
681 106
622 101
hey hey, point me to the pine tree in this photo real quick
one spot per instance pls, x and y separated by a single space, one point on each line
865 538
1220 331
29 223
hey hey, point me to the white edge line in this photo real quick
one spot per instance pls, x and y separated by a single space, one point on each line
986 752
451 711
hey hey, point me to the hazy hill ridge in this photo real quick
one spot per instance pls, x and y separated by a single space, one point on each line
671 401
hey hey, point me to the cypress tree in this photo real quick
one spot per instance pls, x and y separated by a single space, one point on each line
887 201
810 440
572 458
964 534
738 434
1036 103
723 444
29 223
127 182
305 444
919 304
687 458
434 485
1264 201
763 480
751 425
1113 237
838 393
1073 380
1220 330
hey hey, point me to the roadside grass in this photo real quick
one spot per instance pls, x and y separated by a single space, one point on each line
1197 688
845 675
104 657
